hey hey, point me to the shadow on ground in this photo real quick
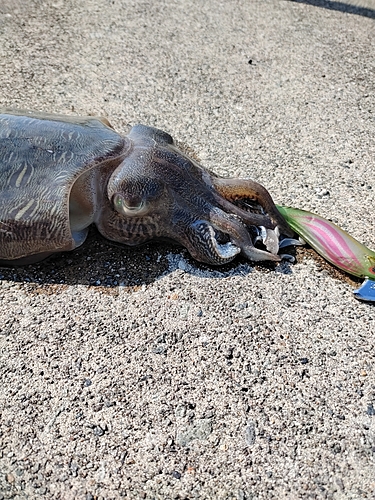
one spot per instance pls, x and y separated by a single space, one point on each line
341 7
108 267
100 263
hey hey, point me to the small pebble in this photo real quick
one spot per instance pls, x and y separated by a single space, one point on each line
98 431
160 349
103 426
10 478
250 435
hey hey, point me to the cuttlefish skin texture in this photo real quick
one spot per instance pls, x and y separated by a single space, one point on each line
59 175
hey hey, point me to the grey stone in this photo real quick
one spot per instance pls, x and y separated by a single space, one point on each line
250 434
160 349
199 430
98 431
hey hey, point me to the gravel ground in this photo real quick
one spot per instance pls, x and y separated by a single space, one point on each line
139 373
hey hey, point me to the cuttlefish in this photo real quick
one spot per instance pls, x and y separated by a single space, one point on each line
60 174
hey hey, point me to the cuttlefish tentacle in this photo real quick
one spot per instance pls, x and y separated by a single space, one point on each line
202 231
206 244
202 238
239 235
242 189
249 218
198 235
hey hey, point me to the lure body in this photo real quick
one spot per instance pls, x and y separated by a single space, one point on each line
336 246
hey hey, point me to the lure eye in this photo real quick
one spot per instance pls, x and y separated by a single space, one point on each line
130 208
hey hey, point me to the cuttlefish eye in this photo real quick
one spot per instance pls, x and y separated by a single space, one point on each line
131 207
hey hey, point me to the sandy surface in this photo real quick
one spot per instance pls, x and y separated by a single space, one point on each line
140 374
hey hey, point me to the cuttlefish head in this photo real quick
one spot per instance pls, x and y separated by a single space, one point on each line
159 192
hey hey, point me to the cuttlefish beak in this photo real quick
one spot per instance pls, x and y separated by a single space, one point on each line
336 246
